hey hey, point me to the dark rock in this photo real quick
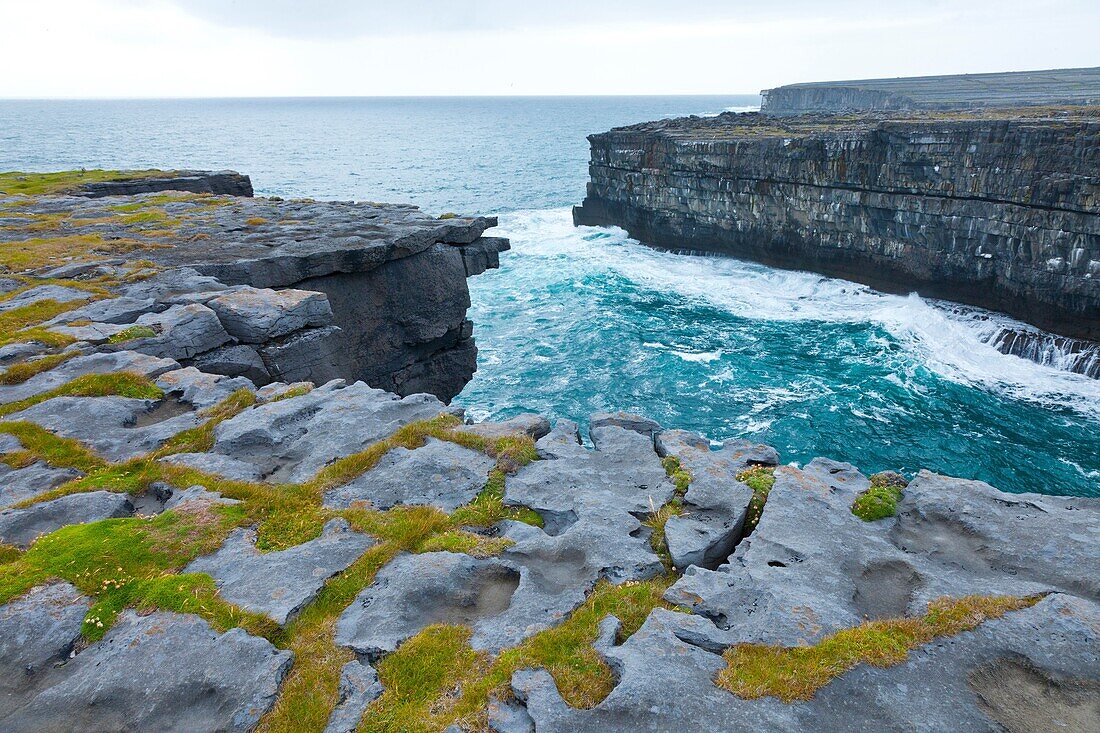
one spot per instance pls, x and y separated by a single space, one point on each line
17 485
950 205
229 183
234 361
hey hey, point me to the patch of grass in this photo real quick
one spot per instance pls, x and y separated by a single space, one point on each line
255 221
880 500
301 389
131 333
120 384
760 479
797 673
9 554
656 523
449 215
34 184
21 372
17 320
40 444
36 252
681 477
435 679
489 508
124 563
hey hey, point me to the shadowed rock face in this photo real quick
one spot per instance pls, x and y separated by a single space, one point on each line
996 209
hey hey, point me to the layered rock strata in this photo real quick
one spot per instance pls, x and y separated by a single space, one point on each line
260 287
962 91
994 209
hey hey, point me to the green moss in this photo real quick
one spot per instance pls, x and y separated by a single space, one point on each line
760 479
449 215
40 444
124 563
34 184
797 673
131 333
879 501
21 372
681 477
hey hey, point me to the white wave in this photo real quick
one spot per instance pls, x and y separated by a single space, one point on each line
941 337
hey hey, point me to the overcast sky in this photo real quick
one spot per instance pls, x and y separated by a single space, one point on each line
189 48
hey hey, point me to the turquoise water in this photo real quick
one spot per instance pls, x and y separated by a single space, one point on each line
578 320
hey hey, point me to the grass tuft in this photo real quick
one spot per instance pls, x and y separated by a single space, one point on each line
797 673
21 372
880 500
131 333
760 479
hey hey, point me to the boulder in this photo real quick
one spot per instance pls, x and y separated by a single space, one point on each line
234 361
534 426
183 332
257 315
199 389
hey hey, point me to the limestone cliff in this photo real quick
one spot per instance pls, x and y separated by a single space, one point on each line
998 209
390 280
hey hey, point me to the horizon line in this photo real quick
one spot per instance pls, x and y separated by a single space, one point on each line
368 96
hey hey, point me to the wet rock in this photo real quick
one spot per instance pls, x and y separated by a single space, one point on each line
37 631
415 591
21 527
440 474
359 686
164 671
255 315
280 583
18 484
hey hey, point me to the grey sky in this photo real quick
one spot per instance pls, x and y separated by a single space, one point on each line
143 48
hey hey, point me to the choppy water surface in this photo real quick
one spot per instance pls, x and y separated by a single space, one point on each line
578 320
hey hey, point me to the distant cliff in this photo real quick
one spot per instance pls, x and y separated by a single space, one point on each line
995 209
963 91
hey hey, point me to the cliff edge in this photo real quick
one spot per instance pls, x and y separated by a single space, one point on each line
994 208
182 549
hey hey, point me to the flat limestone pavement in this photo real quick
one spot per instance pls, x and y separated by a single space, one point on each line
183 550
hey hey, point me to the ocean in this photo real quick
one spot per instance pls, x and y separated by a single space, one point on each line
578 320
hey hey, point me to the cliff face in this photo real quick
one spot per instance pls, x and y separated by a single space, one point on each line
998 210
962 91
368 291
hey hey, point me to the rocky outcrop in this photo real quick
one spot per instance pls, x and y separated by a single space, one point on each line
963 91
169 535
998 210
229 183
268 289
